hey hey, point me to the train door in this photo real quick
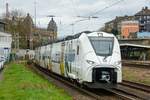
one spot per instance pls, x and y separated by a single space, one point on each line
77 60
73 57
42 57
49 57
39 55
67 67
62 58
56 55
70 59
45 57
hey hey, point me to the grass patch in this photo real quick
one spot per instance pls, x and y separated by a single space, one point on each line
139 75
19 83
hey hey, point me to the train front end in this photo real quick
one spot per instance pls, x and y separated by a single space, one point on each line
102 60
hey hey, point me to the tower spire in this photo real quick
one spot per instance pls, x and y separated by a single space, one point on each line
7 10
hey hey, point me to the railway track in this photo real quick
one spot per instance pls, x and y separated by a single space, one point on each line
132 91
123 91
139 86
70 84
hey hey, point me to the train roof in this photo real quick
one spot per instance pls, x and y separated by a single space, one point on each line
70 37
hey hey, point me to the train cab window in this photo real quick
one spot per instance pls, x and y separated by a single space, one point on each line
103 46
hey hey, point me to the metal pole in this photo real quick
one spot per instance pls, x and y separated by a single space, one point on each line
35 21
35 12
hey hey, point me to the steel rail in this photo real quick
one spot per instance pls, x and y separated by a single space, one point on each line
125 91
68 83
124 96
139 86
121 93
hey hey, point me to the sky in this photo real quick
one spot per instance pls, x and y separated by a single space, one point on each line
66 12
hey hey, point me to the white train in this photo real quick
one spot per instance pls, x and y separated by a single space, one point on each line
92 58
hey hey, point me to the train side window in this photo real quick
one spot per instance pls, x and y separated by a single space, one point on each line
77 50
43 57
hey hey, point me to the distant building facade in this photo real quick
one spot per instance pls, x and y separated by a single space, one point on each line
129 28
143 17
114 26
44 35
28 29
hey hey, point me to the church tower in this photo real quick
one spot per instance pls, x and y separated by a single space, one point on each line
52 28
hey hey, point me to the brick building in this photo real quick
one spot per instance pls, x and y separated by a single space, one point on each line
44 36
129 28
114 26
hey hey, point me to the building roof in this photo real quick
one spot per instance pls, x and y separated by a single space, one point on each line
130 21
144 11
110 22
120 18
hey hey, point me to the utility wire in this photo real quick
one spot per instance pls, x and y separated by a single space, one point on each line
109 6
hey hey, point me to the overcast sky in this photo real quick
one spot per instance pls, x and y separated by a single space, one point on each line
66 12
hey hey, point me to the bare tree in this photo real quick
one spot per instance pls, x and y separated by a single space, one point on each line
17 13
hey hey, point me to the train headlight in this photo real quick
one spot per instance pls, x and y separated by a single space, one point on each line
90 62
117 63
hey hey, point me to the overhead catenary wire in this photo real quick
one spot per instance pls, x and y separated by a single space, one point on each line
106 7
93 14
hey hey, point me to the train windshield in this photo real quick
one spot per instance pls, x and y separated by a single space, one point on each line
103 46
